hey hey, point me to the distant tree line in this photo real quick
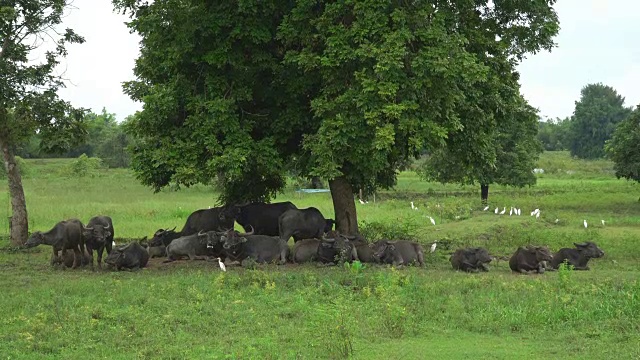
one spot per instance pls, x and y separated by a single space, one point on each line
105 139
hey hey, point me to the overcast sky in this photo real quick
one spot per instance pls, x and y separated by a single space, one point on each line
598 42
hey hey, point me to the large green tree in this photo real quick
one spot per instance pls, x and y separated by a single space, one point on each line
624 147
594 119
28 91
553 134
345 90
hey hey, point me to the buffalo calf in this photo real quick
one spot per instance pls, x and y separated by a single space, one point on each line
578 257
530 258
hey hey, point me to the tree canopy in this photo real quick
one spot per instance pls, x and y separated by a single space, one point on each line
554 134
624 147
28 90
346 90
595 117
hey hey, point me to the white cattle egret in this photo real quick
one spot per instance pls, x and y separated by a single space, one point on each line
538 215
412 207
113 244
432 221
511 211
519 212
585 224
361 202
433 246
557 220
222 267
487 208
503 210
496 210
602 222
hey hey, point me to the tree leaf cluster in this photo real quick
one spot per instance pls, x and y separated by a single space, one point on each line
624 147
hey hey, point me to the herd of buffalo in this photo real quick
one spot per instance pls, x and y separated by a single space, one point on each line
208 233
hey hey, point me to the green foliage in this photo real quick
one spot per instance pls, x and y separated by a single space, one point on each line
624 148
25 168
84 166
253 89
594 120
554 134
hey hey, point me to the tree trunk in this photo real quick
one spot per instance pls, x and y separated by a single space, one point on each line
484 194
18 224
344 206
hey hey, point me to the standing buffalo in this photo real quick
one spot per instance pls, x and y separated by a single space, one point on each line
530 258
98 235
131 257
261 217
303 224
400 252
578 257
471 259
305 250
260 248
64 235
217 218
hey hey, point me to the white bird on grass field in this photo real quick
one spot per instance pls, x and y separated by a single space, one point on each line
503 210
511 211
433 246
222 267
557 220
432 220
585 224
361 202
485 209
538 215
534 212
518 212
496 210
602 222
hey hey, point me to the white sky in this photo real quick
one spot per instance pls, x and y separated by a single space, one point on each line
598 42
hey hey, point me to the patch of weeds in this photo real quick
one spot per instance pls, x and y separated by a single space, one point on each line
374 230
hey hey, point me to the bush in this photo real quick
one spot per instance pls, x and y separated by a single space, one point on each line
373 231
84 166
25 170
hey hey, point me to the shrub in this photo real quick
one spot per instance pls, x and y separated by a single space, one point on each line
84 166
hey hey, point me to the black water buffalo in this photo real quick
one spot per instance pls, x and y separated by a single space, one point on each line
471 259
262 218
578 257
130 257
260 248
64 235
157 251
399 252
306 223
364 250
305 250
164 237
530 258
98 235
335 248
195 246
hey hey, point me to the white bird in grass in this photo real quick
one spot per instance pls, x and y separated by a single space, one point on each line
602 222
433 246
503 210
361 202
222 267
585 224
511 211
538 215
487 208
557 220
432 220
496 210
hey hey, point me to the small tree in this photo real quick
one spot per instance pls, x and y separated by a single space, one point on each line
28 92
595 117
624 147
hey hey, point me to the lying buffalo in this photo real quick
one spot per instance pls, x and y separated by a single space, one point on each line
578 257
400 252
164 237
530 258
217 218
364 250
64 235
303 224
98 235
262 218
195 246
471 259
157 251
68 257
260 248
336 249
305 250
130 257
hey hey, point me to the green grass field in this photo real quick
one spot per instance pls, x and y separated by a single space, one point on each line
191 310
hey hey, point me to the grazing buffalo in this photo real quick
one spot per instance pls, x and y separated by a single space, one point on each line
530 258
193 246
303 224
217 218
471 259
259 248
336 249
98 235
130 257
578 257
262 218
305 250
64 235
400 252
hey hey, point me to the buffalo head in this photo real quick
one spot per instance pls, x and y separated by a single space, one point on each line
97 232
542 253
34 240
161 236
589 250
232 238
